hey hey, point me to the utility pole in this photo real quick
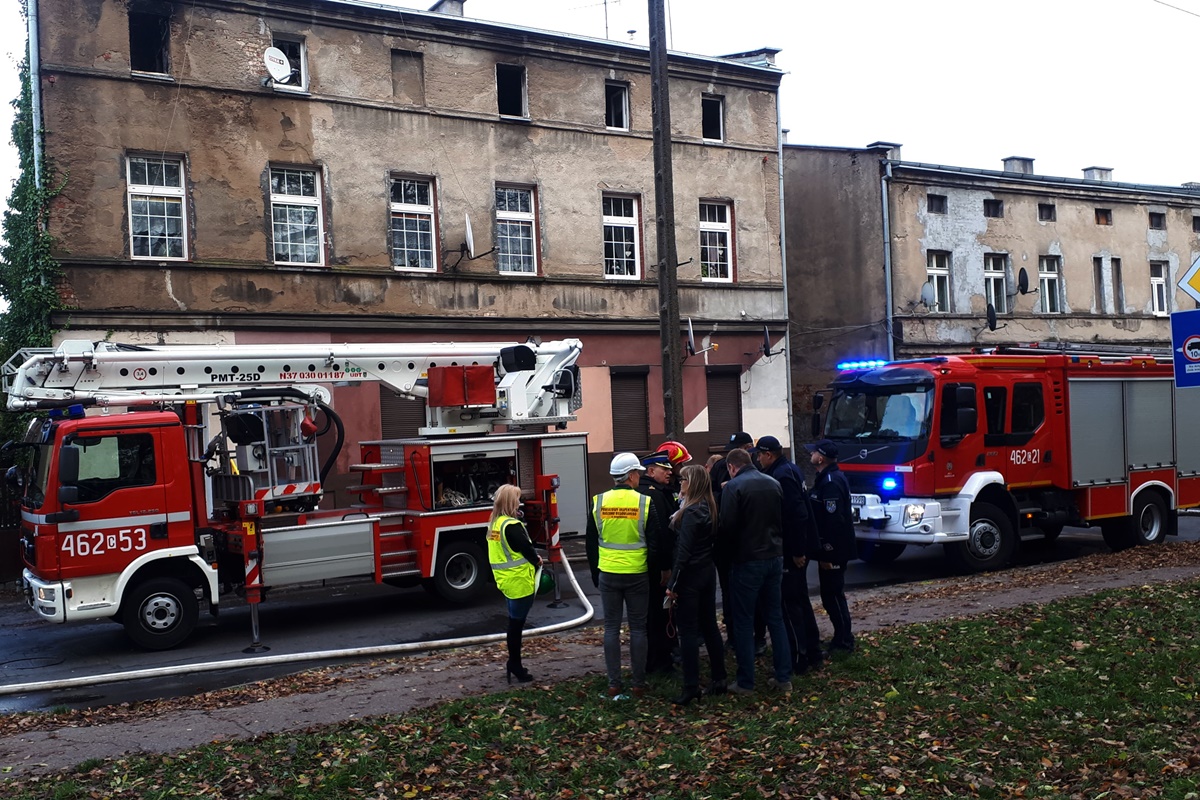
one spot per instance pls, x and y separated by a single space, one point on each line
664 203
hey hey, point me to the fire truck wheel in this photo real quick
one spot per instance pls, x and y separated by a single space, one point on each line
990 542
461 573
1149 519
160 613
879 553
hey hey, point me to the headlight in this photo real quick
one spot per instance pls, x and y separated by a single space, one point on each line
914 513
46 594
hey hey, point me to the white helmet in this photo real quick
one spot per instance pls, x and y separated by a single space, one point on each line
623 464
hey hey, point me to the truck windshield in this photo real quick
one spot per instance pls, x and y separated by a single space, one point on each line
903 414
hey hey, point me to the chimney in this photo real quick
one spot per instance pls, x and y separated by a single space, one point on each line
1019 164
1097 173
893 149
452 7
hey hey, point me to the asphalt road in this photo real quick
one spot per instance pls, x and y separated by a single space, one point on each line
344 617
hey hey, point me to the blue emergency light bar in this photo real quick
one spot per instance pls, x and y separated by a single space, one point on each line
862 364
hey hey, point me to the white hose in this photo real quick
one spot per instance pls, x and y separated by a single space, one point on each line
316 655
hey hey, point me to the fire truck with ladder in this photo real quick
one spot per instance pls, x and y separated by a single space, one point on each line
161 477
974 452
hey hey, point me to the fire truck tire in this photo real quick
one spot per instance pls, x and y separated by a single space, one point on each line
461 574
990 543
1150 520
879 553
160 613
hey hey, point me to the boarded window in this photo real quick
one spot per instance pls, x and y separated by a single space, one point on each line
631 414
724 406
401 417
408 77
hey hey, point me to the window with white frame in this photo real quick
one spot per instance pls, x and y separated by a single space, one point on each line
616 106
712 118
516 230
937 273
716 242
1160 299
157 223
1050 284
297 56
413 230
296 229
995 281
621 245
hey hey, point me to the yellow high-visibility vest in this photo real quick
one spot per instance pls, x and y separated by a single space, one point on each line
620 516
513 572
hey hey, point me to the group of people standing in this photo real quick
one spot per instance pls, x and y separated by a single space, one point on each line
668 532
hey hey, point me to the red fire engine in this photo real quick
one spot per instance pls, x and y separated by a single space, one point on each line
974 451
198 469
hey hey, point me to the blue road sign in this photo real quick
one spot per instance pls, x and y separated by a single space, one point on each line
1185 347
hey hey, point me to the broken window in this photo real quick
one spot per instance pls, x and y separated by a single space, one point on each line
993 208
936 203
1158 221
510 90
1047 212
1104 216
712 118
616 106
149 41
293 49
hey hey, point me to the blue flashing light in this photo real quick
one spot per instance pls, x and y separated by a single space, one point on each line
889 484
869 364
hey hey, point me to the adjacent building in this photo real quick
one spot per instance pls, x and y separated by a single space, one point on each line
901 259
394 175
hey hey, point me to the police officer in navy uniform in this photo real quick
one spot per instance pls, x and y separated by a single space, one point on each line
830 498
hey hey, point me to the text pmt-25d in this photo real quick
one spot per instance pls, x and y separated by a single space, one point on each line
161 476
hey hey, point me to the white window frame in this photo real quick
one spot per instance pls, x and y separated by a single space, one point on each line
301 86
937 273
169 195
297 201
624 87
525 220
995 281
1160 297
720 101
631 223
1050 284
418 212
723 232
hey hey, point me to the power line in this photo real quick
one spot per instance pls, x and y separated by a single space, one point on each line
1177 8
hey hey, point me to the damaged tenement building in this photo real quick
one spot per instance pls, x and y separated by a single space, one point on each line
207 201
928 248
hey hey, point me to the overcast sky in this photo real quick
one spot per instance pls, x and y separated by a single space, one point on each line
1070 83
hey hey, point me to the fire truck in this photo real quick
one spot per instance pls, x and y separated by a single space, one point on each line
974 452
161 478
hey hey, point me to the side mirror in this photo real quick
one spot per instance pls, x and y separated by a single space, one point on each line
818 401
68 495
816 425
68 465
965 421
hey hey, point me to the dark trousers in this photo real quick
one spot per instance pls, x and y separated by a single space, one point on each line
660 639
696 614
833 597
803 634
748 580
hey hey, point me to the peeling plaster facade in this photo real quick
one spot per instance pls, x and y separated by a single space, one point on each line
408 93
856 212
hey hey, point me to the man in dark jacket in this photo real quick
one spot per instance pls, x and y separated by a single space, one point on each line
830 498
751 527
656 484
719 476
800 544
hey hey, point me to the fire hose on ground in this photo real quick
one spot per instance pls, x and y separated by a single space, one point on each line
316 655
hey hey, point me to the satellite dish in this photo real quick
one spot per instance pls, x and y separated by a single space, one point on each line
991 317
691 342
766 345
1023 281
470 237
928 295
278 66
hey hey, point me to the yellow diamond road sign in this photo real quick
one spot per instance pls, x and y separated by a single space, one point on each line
1190 282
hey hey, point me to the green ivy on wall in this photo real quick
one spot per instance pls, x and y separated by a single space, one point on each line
29 275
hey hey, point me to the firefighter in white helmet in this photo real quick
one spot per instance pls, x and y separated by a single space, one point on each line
622 535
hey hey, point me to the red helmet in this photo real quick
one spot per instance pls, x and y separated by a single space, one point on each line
676 452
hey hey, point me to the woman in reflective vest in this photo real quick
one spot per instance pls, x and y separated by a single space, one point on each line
514 564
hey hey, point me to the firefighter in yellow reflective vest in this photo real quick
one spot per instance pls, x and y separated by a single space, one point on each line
514 563
622 550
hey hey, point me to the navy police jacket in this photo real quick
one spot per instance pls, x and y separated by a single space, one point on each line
830 497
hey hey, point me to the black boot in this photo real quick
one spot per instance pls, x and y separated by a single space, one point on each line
690 693
514 669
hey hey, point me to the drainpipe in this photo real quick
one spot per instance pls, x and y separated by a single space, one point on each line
787 338
884 182
35 86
